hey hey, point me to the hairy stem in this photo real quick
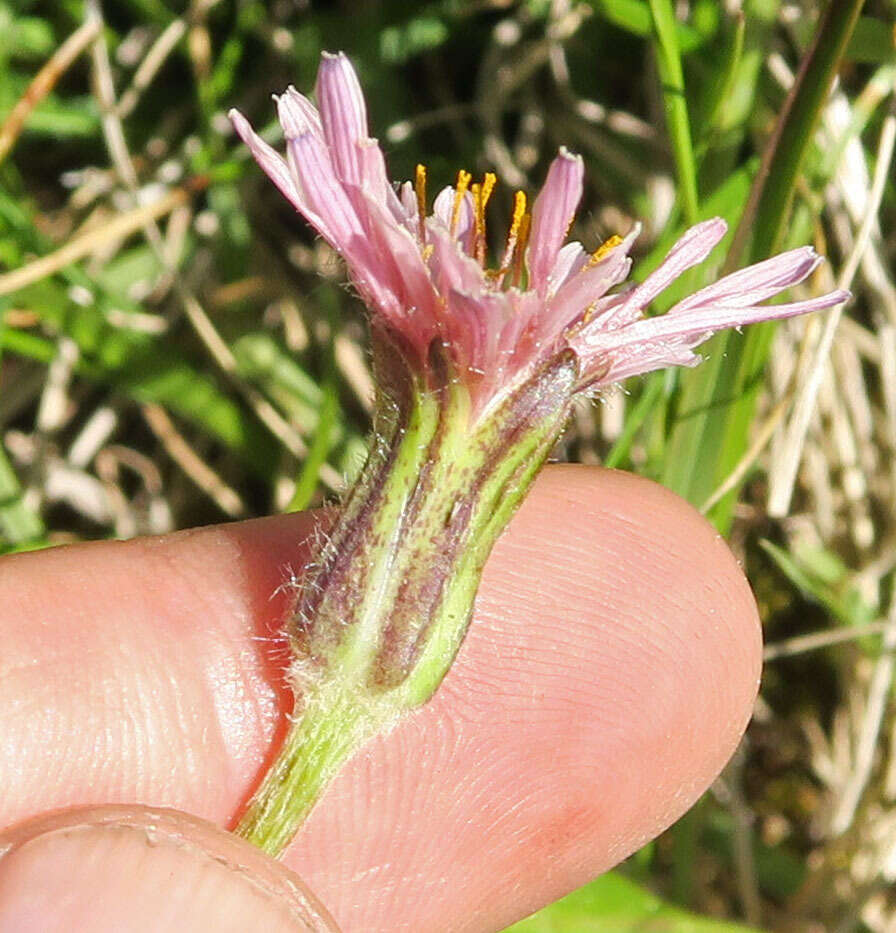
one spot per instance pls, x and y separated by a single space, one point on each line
384 610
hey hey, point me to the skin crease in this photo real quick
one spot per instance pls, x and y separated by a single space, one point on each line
607 677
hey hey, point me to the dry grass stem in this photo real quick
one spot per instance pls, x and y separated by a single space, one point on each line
45 80
782 480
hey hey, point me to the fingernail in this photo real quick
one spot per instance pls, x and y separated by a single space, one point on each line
150 874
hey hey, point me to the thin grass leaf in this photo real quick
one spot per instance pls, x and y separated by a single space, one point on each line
321 444
873 42
668 58
761 228
821 577
19 525
634 16
718 398
723 87
613 903
648 401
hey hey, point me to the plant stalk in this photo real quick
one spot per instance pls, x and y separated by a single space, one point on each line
383 611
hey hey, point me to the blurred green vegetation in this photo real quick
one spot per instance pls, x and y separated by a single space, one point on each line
208 362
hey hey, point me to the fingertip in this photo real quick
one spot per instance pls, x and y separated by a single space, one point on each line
643 584
607 677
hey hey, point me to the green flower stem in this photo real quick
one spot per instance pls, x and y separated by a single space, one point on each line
316 745
384 610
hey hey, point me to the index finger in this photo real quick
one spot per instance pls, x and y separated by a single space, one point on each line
608 675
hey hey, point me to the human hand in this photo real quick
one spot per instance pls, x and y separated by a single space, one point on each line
607 677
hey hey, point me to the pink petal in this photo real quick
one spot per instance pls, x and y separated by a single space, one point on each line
343 114
522 338
552 215
593 281
605 369
400 267
339 213
375 180
690 250
451 268
271 162
328 200
698 324
472 325
757 282
651 339
570 260
443 209
408 197
297 114
582 296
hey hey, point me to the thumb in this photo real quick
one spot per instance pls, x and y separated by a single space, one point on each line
145 869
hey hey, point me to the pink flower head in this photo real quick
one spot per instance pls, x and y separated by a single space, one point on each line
424 275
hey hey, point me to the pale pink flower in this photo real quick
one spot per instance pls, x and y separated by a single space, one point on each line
424 276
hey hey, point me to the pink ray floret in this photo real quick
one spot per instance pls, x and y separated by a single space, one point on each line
423 276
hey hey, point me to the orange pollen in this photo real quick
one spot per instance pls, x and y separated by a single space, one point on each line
604 248
463 183
420 189
589 313
519 211
522 241
476 191
481 197
481 194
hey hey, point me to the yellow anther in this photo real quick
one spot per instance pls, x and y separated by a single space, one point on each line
460 190
604 248
519 210
478 243
481 194
522 241
420 188
489 180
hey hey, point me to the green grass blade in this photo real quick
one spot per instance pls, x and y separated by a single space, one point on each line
761 228
651 395
327 426
723 88
19 526
614 903
873 41
717 401
672 77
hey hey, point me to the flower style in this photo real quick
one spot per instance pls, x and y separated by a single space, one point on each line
424 275
477 368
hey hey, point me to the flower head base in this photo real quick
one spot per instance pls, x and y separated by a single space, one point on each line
424 275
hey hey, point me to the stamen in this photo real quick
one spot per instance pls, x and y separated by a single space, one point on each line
460 190
588 316
522 241
420 188
519 211
478 243
481 194
489 180
604 248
